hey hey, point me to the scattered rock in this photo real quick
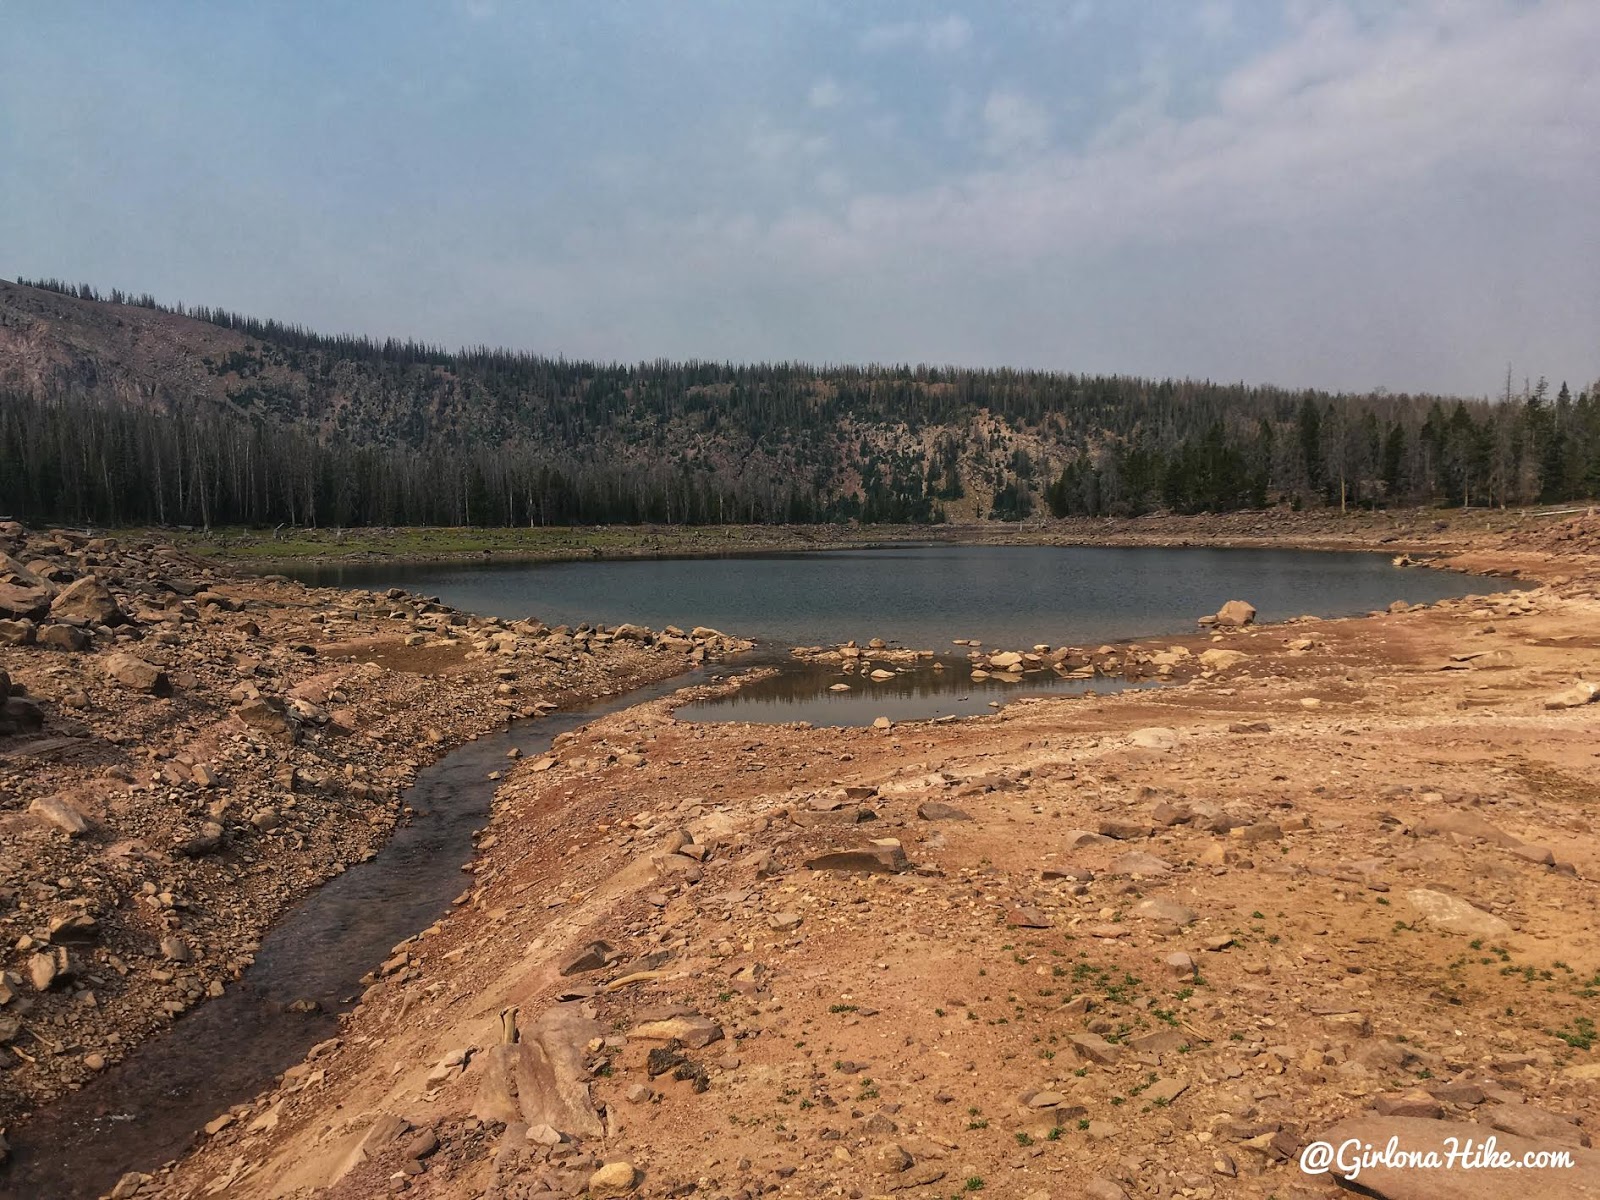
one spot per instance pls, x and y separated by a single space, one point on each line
1576 696
613 1179
1455 915
60 813
1155 738
692 1029
938 810
135 673
882 856
89 600
1233 614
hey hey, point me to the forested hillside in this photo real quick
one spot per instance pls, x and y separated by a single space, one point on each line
115 409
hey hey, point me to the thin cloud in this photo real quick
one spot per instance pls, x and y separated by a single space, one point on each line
1014 124
825 93
946 35
1376 126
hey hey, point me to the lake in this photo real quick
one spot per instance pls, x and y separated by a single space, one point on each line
918 596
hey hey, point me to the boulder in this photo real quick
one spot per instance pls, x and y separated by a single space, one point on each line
1094 1048
1155 738
19 714
1235 613
1221 660
133 672
938 810
88 600
23 603
73 927
63 637
592 957
268 715
1530 1121
1140 863
1576 696
613 1179
542 1079
883 856
692 1029
1164 910
16 633
207 841
1455 915
59 813
1465 825
1027 917
48 968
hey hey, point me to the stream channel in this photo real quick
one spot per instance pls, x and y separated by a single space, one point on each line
146 1109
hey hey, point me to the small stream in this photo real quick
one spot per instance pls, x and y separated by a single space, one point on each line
147 1109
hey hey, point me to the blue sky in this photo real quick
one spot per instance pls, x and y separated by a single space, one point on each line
1398 193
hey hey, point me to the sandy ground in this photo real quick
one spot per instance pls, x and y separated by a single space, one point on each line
1141 945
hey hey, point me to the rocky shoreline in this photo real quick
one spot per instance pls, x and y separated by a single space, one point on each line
1420 531
1142 945
185 752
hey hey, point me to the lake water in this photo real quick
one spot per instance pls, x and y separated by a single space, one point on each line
921 597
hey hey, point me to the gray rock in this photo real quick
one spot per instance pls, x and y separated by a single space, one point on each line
60 813
63 637
1530 1121
1235 613
1576 696
1094 1048
884 856
268 715
1140 863
1455 915
88 600
133 672
692 1029
17 633
592 957
1161 908
938 810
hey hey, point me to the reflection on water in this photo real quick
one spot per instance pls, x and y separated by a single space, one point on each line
826 694
924 595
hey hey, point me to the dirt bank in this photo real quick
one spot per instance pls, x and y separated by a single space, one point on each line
1426 530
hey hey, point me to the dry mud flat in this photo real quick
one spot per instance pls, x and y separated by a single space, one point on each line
1133 946
183 753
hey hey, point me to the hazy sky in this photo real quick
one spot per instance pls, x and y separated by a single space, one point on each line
1400 193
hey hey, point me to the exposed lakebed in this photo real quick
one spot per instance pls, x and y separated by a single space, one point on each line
917 596
148 1107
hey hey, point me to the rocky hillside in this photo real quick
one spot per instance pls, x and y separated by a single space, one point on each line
116 410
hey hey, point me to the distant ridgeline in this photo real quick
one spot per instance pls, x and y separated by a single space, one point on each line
115 409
